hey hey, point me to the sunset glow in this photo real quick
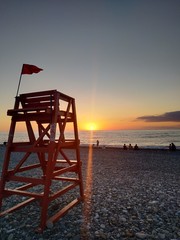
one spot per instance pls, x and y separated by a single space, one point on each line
88 187
92 126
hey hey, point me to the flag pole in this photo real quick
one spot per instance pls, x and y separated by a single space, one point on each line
19 83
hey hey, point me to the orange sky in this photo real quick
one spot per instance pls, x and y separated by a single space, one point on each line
94 121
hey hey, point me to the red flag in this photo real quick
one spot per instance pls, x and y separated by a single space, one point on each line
30 69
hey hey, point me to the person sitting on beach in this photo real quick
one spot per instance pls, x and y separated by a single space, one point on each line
124 147
172 147
130 146
136 147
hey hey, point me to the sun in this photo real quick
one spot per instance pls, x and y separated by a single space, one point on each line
91 126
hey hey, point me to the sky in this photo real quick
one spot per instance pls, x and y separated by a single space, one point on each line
119 59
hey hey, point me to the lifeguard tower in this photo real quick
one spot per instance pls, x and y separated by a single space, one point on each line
49 165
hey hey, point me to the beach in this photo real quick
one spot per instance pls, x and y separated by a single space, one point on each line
129 195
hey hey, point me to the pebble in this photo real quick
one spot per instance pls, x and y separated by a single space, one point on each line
134 196
161 235
10 237
103 226
141 235
49 224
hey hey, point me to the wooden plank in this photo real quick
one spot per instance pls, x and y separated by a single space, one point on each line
64 210
9 192
36 181
18 206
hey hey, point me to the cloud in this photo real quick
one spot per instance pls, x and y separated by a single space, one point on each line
166 117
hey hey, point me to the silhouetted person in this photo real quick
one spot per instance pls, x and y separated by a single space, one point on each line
130 146
136 147
172 147
97 143
124 147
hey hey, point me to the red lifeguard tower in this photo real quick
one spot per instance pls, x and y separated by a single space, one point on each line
56 166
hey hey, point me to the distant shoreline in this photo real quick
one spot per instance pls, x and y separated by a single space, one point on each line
130 150
115 139
121 148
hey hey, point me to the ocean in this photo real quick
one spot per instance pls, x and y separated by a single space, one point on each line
143 138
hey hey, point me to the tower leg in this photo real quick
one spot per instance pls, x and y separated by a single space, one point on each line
6 160
47 184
